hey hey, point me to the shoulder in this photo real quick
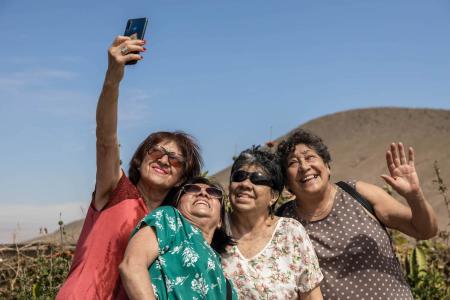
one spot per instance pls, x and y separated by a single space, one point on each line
124 190
163 212
289 224
291 228
371 192
165 220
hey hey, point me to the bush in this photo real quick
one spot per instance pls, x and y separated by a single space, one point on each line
34 271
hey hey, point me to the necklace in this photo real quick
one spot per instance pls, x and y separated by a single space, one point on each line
317 214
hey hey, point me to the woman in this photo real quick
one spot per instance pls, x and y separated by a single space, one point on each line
353 247
169 255
161 162
273 257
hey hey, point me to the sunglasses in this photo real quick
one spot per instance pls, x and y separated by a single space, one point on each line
195 189
175 160
256 178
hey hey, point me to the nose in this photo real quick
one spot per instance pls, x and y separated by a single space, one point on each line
244 184
164 159
303 166
204 194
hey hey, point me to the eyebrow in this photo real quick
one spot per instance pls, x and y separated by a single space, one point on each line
170 151
303 152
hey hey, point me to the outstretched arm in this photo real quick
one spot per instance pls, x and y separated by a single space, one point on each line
108 158
418 219
141 252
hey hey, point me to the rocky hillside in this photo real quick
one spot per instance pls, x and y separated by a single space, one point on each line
358 139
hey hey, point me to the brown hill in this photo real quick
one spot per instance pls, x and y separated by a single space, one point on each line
358 139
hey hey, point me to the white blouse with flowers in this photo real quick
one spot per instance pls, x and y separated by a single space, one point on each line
285 267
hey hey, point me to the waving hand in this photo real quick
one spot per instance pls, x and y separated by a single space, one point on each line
403 176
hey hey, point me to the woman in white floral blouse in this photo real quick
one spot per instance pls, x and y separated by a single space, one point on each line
273 257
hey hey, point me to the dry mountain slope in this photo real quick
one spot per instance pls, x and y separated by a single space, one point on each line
358 139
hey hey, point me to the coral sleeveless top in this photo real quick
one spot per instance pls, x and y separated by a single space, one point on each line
94 273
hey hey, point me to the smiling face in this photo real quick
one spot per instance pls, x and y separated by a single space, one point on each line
159 172
201 208
307 173
247 197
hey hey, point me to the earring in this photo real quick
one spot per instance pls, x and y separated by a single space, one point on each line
271 211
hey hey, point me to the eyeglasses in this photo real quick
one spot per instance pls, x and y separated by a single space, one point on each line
195 189
175 160
257 178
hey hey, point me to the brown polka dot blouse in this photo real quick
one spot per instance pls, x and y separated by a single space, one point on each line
355 253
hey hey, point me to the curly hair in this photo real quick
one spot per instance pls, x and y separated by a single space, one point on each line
302 136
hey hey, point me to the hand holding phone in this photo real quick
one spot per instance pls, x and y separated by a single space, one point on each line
135 29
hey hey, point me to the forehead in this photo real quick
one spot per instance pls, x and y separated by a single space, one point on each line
302 150
252 168
202 185
170 146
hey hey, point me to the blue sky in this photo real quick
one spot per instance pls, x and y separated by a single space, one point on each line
232 73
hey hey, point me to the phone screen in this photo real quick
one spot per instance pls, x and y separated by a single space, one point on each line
136 28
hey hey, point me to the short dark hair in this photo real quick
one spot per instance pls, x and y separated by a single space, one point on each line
220 238
268 161
302 136
189 149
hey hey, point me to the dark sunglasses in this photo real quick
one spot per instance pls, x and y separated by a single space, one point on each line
175 160
211 191
257 178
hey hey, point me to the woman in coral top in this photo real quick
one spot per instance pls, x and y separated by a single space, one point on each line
163 161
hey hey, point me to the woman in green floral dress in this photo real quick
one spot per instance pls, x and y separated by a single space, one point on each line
172 252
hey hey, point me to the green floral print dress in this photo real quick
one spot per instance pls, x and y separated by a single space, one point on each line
186 267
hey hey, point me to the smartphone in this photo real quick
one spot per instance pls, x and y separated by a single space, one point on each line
136 30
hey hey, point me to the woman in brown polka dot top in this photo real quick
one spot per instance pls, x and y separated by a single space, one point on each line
353 248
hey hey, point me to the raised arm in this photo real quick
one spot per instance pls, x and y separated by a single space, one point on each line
141 251
418 218
108 159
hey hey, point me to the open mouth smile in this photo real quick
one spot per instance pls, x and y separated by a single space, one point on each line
202 202
308 178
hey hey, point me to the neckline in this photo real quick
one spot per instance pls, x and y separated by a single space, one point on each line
335 200
263 249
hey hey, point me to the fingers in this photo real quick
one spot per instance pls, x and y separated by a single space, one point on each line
411 156
388 179
401 150
395 155
124 49
390 162
398 154
119 40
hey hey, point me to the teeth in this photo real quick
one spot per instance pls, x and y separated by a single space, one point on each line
202 202
309 178
243 195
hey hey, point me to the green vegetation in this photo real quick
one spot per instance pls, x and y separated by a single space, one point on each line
427 263
34 271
